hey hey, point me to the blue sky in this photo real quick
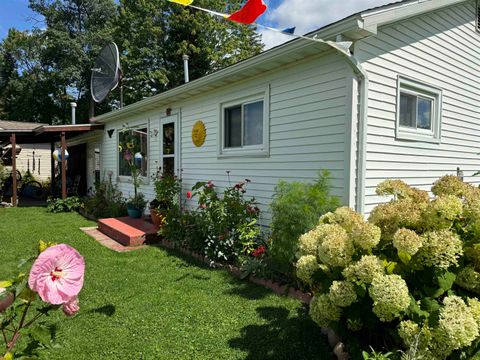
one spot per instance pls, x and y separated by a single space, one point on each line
306 15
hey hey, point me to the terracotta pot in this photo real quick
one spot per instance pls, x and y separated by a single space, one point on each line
157 217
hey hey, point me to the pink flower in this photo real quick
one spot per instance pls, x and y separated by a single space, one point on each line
71 307
203 206
127 155
57 274
189 195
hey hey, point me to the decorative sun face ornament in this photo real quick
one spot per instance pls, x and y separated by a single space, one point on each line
57 155
199 133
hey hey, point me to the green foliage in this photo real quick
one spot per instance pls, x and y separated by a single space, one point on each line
167 191
27 177
406 279
373 355
106 201
68 205
296 208
43 70
157 282
222 227
3 175
48 68
137 201
154 35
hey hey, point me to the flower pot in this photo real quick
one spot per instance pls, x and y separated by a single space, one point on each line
133 212
157 217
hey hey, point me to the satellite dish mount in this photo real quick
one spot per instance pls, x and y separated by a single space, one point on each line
106 74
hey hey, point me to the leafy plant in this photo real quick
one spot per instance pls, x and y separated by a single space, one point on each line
373 355
41 293
296 208
137 201
106 201
229 222
407 278
167 190
68 205
3 176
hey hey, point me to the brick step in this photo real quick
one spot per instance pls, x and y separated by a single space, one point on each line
128 231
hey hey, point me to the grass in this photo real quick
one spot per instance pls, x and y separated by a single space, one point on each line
154 304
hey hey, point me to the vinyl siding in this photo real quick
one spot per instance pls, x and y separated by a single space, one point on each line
42 160
440 48
309 109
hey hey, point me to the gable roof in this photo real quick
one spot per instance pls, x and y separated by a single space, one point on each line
18 126
353 27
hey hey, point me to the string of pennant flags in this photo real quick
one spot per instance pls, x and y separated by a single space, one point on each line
248 14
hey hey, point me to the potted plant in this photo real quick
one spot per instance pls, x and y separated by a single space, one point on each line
136 205
167 191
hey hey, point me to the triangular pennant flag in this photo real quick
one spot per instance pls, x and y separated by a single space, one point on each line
289 30
249 12
182 2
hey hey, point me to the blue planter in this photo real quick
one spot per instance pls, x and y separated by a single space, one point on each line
133 212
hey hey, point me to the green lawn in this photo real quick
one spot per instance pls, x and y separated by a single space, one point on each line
154 304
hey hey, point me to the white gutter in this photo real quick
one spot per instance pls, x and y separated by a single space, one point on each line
362 75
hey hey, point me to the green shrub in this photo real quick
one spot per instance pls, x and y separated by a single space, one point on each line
167 191
406 279
68 205
222 227
296 208
3 176
106 201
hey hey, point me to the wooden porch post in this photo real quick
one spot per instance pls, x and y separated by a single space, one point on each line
52 169
64 168
13 141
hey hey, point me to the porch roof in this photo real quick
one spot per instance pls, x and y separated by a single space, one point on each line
30 133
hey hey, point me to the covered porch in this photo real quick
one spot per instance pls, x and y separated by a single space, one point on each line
68 174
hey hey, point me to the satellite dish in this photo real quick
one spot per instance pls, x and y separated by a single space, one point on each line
107 74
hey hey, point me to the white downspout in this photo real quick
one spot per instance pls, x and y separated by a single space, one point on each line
362 75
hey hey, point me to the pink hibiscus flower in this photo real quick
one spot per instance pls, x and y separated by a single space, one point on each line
71 307
57 274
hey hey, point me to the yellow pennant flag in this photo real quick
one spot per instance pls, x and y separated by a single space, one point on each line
182 2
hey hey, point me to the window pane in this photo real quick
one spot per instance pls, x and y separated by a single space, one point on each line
169 139
133 151
253 124
169 166
233 127
424 118
408 109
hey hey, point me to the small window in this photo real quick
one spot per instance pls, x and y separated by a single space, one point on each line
244 125
419 111
133 151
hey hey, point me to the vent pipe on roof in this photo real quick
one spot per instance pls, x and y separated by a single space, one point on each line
73 105
185 68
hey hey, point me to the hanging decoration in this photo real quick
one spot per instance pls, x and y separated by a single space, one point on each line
199 133
57 155
249 12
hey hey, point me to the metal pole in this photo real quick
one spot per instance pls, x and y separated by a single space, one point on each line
74 115
14 169
64 168
185 68
52 170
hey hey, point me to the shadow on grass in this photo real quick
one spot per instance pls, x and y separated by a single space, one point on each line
249 291
282 337
108 310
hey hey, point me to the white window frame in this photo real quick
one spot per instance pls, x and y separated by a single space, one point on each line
423 90
260 150
128 179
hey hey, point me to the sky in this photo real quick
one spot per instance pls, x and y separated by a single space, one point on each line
305 15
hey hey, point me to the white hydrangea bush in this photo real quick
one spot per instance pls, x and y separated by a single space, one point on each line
409 274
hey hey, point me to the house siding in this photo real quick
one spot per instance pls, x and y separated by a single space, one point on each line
42 160
310 113
440 48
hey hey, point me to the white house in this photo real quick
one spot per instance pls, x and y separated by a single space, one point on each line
401 101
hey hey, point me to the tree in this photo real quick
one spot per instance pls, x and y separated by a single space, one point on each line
153 35
46 69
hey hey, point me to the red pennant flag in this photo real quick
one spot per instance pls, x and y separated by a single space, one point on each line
249 12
